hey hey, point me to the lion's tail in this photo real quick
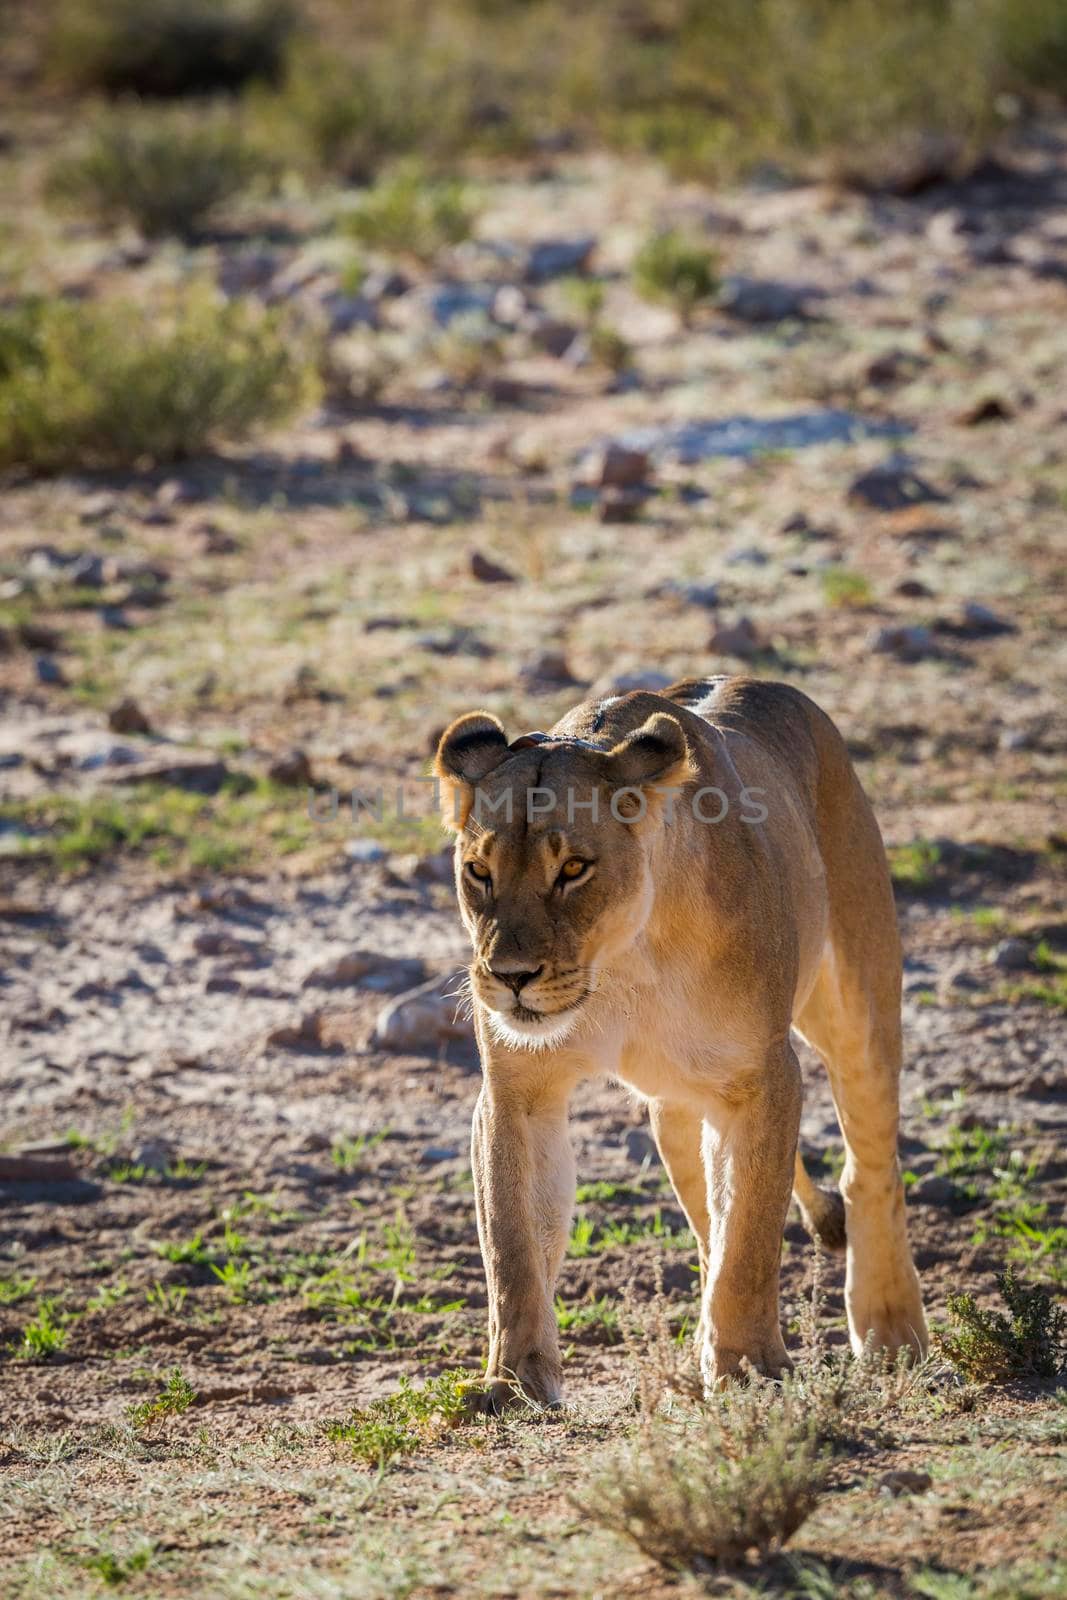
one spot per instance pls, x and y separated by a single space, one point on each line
823 1210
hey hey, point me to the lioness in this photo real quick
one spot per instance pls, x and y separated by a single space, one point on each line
659 889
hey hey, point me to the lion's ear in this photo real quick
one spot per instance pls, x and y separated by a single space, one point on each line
469 749
655 753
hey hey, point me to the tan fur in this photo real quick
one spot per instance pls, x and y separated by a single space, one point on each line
678 964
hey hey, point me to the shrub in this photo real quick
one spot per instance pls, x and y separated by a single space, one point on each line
115 384
400 1422
989 1347
170 47
676 269
163 170
741 1476
411 214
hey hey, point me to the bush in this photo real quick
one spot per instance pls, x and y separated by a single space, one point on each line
674 268
170 47
162 170
411 214
116 384
741 1476
989 1347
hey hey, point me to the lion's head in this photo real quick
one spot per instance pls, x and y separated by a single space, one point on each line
554 840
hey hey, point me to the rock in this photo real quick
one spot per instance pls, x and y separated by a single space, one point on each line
305 684
343 312
48 671
504 390
384 283
86 571
438 1152
893 487
912 589
127 717
556 258
614 466
706 595
97 507
902 1480
510 305
626 682
1012 955
196 770
641 1148
981 623
988 408
114 617
749 555
211 540
906 643
934 1191
547 670
741 638
424 1018
306 1033
292 768
246 272
443 303
455 641
550 334
365 851
621 505
487 571
357 967
38 636
156 1155
761 299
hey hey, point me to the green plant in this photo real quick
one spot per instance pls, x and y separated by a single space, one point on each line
913 866
192 1252
45 1335
469 350
12 1290
348 1155
989 1346
401 1422
176 1396
169 47
115 384
844 588
166 1297
116 1570
236 1279
166 171
674 268
597 1320
411 214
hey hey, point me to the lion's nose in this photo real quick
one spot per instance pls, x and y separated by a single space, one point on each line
515 979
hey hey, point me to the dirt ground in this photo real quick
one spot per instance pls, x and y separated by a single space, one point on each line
219 1165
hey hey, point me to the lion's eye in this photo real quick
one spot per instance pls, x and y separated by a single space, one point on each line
572 870
479 872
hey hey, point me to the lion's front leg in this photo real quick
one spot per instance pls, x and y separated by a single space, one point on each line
750 1141
524 1183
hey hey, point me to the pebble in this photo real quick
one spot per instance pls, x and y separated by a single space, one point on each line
557 258
1012 955
365 851
547 670
761 299
981 622
893 487
614 466
127 717
902 1480
425 1017
292 769
48 671
906 643
741 638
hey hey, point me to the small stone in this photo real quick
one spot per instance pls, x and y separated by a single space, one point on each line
86 571
615 467
97 508
487 571
651 682
980 622
641 1148
127 717
385 284
741 638
368 969
48 671
761 300
706 595
557 258
550 334
892 487
934 1191
904 1481
907 644
1012 955
211 540
621 505
749 555
547 670
114 617
301 1035
912 589
38 636
424 1018
365 851
434 1153
156 1155
503 390
292 768
988 408
510 305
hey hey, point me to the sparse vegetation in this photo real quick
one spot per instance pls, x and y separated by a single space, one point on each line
1029 1339
116 384
410 213
841 587
678 270
45 1334
404 1421
176 1396
165 171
